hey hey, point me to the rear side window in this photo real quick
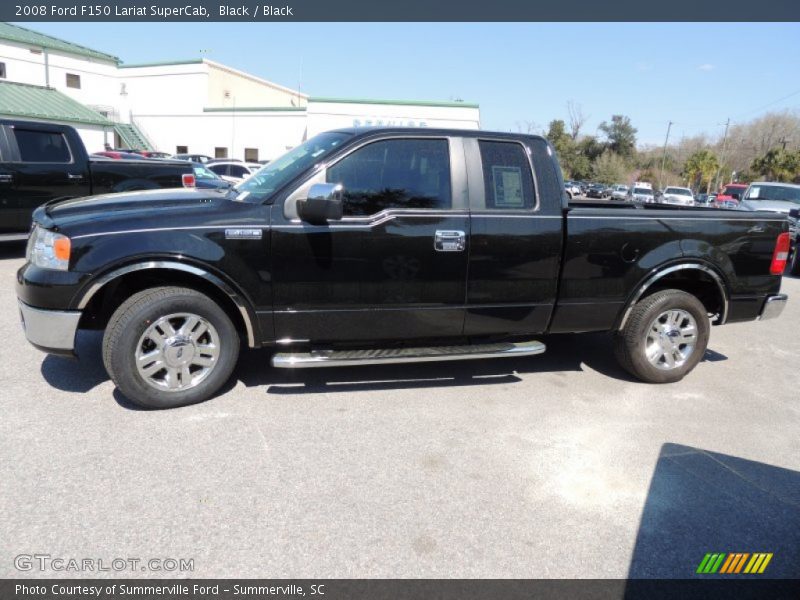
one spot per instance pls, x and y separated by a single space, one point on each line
400 173
42 146
507 177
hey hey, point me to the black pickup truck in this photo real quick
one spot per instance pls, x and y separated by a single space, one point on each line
43 161
385 246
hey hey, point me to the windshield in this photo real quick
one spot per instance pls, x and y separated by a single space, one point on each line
643 191
774 192
678 191
202 173
281 171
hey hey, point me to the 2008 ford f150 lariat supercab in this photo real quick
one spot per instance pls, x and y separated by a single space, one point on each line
388 245
42 161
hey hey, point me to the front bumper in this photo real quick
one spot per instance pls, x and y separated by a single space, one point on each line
773 307
51 331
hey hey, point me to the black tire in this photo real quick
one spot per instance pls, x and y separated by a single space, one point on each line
794 260
132 319
630 343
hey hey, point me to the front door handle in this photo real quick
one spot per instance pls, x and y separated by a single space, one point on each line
75 176
6 178
450 241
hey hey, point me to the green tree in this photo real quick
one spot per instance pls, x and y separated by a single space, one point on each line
609 168
701 166
566 149
777 164
621 135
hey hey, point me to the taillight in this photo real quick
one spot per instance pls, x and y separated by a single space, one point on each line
781 254
188 180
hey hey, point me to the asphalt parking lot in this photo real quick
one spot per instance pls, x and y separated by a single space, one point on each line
554 466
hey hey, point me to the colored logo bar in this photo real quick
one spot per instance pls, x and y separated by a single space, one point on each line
734 563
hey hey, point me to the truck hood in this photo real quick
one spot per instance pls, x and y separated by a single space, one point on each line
780 206
128 204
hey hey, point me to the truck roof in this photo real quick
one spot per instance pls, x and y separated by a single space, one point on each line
362 131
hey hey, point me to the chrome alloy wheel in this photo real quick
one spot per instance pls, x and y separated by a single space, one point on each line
177 352
671 339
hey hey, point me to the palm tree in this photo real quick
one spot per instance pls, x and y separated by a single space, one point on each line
701 166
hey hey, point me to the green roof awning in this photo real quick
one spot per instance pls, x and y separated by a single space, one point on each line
35 102
15 33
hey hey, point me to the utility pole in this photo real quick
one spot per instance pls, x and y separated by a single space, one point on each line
722 156
664 158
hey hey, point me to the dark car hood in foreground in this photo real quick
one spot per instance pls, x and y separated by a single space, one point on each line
147 204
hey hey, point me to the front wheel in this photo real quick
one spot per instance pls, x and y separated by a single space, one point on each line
664 338
169 346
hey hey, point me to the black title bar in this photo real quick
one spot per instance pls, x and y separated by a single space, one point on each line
401 10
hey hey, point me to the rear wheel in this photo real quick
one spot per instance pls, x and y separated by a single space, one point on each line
169 346
794 261
664 338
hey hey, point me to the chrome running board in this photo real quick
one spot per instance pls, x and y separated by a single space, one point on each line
342 358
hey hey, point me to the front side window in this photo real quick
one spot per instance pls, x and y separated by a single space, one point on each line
42 146
507 177
774 192
238 171
399 173
73 81
219 169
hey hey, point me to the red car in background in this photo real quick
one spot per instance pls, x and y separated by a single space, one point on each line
730 195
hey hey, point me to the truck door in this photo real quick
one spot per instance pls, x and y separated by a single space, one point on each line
395 266
516 225
42 167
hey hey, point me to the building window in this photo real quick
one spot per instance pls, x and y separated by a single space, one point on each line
73 81
2 70
220 152
181 149
251 154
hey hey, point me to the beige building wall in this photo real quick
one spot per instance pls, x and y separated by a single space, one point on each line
228 87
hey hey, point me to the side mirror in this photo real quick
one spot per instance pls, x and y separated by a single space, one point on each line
795 213
324 203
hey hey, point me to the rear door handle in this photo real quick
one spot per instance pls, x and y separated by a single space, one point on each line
450 241
6 178
75 176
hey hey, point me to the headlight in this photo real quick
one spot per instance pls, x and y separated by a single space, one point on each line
48 249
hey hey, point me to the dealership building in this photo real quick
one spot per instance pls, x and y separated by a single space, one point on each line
197 106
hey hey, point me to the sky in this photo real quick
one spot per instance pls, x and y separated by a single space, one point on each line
696 75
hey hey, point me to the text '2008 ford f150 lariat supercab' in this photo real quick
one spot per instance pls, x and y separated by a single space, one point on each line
388 245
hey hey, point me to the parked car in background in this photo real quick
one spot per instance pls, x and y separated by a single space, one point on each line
201 158
619 191
729 195
679 196
641 191
152 153
597 190
41 162
230 170
572 188
782 198
705 200
118 155
206 179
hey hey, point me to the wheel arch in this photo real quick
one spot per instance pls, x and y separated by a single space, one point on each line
696 278
107 292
